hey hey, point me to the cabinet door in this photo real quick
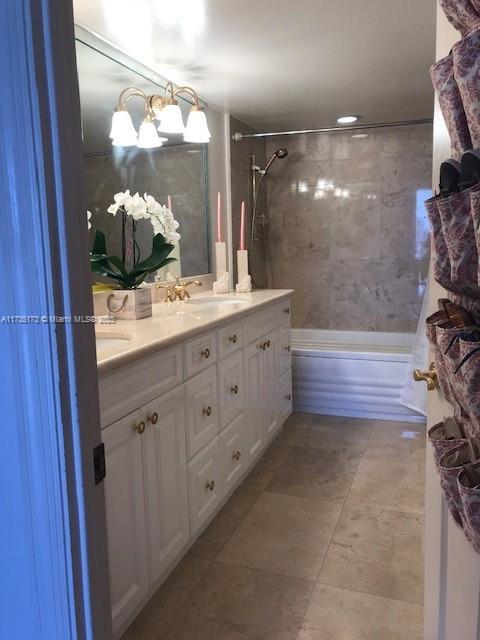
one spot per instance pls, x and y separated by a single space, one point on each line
125 509
270 382
285 396
230 388
232 451
253 366
205 484
283 350
166 492
201 410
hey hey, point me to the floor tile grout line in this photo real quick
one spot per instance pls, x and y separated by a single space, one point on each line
270 573
368 593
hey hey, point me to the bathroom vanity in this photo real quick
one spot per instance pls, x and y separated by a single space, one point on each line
189 399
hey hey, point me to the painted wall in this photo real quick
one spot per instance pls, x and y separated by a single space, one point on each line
348 229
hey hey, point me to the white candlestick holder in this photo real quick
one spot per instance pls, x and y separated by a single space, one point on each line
244 284
222 283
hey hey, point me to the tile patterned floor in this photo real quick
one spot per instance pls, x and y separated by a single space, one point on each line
322 541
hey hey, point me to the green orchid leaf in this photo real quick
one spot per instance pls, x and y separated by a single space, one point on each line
99 246
160 250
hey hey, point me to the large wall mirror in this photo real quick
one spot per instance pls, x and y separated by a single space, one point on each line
177 169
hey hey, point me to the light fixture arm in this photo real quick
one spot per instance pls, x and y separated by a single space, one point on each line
128 93
190 92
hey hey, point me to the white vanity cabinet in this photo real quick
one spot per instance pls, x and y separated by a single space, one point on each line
205 486
146 499
165 481
202 409
126 525
182 427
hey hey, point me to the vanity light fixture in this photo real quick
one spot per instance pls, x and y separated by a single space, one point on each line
347 119
167 111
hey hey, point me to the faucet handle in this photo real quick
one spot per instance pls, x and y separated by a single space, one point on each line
189 283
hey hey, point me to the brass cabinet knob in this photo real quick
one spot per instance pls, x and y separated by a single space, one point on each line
207 411
210 485
233 338
288 348
237 455
262 346
153 418
288 396
234 389
268 344
287 310
140 427
205 353
430 376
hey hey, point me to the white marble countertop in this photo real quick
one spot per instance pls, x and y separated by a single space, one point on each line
173 322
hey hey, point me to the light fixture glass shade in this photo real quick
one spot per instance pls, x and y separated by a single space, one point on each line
123 129
197 128
148 136
171 120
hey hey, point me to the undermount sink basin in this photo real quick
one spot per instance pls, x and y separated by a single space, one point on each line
111 339
215 302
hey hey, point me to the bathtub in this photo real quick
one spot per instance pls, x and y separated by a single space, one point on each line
352 373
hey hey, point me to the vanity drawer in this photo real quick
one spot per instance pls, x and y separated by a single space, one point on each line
283 355
233 451
230 388
199 353
201 409
285 399
230 339
283 311
131 386
205 484
258 324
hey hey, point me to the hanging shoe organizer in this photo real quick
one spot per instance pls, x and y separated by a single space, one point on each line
454 214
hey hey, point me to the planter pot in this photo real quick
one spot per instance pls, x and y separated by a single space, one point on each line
130 304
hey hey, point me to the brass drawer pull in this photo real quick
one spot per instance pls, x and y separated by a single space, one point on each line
205 353
262 346
287 310
237 455
207 411
210 485
288 396
268 344
140 427
234 389
153 418
288 348
233 338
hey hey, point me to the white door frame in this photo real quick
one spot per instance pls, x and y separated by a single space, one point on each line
54 581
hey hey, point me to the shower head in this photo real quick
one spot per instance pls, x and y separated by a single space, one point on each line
279 153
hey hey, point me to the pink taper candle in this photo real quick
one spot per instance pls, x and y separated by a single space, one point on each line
242 227
219 217
169 202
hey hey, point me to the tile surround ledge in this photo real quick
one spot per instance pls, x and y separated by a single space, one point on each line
172 323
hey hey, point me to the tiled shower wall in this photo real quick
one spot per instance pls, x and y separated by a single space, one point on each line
240 153
348 229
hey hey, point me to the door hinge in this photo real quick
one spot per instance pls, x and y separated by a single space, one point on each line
99 463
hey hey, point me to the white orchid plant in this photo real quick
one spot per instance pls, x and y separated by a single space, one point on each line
165 234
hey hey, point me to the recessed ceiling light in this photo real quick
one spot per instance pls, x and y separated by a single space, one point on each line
347 119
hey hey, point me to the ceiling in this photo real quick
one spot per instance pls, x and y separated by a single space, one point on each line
282 64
